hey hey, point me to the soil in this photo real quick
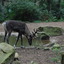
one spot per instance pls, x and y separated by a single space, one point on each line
39 56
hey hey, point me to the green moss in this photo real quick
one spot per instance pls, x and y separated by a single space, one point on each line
51 31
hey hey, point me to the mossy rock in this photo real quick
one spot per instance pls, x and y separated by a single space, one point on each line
7 53
51 31
43 36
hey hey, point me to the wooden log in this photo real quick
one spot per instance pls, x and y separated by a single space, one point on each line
62 57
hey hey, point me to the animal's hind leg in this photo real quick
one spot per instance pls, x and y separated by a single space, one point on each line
8 37
21 41
5 36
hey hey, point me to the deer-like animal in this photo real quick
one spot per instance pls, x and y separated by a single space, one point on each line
17 26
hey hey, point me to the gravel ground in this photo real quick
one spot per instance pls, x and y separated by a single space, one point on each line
39 56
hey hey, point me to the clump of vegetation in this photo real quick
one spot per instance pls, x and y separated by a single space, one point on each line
1 13
33 10
56 49
23 10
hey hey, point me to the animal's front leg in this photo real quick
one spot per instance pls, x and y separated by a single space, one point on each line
17 40
21 41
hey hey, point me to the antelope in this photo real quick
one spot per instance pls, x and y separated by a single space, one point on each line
20 27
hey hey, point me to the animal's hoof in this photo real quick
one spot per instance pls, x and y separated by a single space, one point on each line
22 47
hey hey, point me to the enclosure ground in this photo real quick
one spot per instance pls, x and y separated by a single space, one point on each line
39 56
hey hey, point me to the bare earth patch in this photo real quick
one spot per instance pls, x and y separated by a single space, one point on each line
39 56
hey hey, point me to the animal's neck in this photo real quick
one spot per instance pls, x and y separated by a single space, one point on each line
27 31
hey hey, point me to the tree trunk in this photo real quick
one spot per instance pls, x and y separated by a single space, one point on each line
49 5
58 9
62 58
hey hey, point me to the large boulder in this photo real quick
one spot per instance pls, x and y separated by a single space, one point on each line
7 53
43 36
51 31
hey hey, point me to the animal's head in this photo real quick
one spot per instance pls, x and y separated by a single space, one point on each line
30 37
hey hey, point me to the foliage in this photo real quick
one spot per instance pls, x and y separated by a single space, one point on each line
33 10
25 11
1 13
48 16
57 58
62 10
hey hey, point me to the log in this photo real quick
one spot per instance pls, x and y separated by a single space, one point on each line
62 57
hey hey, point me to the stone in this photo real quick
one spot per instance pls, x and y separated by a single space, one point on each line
56 46
43 36
7 53
51 31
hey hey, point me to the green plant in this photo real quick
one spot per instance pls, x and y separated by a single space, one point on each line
55 59
1 13
23 10
56 49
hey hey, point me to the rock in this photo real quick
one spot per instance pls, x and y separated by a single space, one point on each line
56 46
49 45
7 53
51 31
16 57
43 36
46 48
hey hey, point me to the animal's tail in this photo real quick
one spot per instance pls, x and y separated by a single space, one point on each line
4 25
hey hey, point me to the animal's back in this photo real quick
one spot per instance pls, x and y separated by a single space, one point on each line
14 25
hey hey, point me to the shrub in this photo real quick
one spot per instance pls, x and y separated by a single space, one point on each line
48 16
62 13
1 13
23 10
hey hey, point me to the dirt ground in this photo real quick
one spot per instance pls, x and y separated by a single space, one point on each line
39 56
